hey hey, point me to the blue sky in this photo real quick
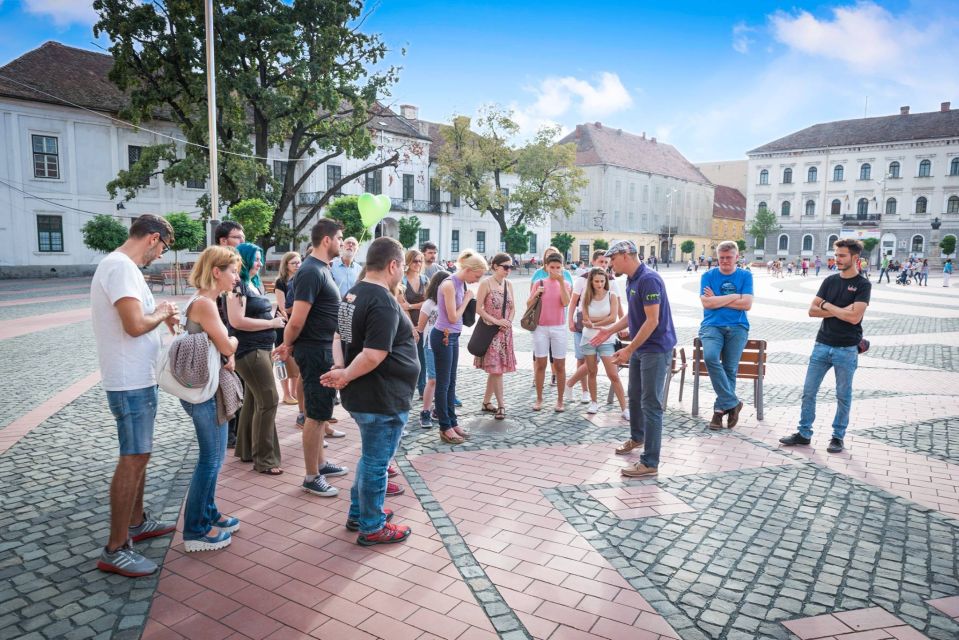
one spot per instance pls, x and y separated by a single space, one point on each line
715 79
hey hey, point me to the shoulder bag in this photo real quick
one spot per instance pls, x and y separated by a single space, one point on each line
484 333
190 367
469 313
530 318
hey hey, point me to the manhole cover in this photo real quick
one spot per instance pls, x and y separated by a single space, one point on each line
483 426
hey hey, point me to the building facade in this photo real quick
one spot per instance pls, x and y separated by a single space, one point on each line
729 215
892 178
638 189
731 173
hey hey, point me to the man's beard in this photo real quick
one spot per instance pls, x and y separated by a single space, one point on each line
347 253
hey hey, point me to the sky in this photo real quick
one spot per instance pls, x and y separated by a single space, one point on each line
714 79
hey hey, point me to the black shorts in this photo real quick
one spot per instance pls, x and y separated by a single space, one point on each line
313 362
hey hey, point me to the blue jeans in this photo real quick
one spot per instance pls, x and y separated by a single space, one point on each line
135 412
446 358
379 437
647 379
722 350
200 512
421 382
844 360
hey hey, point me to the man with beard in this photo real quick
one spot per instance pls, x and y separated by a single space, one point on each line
344 268
430 266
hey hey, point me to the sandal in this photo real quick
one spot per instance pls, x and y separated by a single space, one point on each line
538 405
500 414
488 407
463 433
273 471
453 438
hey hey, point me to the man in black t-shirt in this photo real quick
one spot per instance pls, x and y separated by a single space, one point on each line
377 383
309 337
841 303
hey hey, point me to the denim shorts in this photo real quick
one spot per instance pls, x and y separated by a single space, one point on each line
135 412
604 350
430 364
577 347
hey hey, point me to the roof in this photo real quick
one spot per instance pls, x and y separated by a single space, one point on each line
385 119
883 129
729 203
599 145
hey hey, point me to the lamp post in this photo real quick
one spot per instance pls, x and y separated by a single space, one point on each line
880 209
669 227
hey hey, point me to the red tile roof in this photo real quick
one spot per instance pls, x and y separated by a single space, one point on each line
729 203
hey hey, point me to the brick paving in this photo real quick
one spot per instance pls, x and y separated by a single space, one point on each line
528 530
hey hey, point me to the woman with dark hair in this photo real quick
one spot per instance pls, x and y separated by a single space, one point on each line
495 305
427 320
411 300
251 316
289 263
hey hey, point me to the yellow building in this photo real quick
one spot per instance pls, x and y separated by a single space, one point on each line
729 216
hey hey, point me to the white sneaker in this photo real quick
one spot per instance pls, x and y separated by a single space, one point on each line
585 397
626 415
593 408
568 396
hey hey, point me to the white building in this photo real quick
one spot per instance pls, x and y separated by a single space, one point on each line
893 178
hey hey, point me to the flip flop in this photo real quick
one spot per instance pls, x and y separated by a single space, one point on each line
275 471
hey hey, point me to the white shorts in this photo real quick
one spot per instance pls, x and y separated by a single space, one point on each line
550 341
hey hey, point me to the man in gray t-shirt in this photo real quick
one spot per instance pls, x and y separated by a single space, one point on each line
432 267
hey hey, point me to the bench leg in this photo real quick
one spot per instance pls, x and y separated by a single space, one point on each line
758 392
682 383
696 378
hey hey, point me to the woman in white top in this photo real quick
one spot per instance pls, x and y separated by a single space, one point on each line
600 308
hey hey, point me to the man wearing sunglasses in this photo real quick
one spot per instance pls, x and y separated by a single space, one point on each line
125 318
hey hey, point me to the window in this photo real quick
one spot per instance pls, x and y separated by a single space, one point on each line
810 207
835 208
952 206
632 192
954 167
784 242
785 208
812 175
894 169
787 176
505 193
481 242
407 186
891 207
918 243
762 207
455 241
837 173
807 242
424 236
50 233
865 171
133 156
434 190
764 177
645 193
279 170
532 243
862 207
455 200
832 242
374 182
46 157
584 252
618 190
925 169
921 204
334 173
192 183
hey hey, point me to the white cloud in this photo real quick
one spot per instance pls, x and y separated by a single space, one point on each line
741 39
63 12
558 98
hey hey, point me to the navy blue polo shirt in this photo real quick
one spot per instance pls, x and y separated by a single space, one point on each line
644 288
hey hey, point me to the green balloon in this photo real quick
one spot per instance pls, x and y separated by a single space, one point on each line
372 208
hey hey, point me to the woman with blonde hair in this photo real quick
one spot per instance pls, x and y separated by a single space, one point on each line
204 527
451 300
292 386
411 298
495 305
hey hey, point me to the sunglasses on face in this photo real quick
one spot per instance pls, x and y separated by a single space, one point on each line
508 267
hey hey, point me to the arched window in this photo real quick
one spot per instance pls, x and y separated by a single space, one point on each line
762 207
764 177
784 242
810 207
891 207
925 169
921 204
832 242
918 243
837 173
835 208
787 176
894 169
954 167
865 171
807 242
952 205
785 208
862 207
812 175
760 243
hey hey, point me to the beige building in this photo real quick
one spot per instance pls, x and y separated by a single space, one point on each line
732 173
729 215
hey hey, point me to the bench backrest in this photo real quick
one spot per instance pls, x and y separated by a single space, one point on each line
752 365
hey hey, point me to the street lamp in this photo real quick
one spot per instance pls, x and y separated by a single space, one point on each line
669 227
880 208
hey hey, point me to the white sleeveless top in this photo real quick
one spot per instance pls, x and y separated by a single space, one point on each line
598 308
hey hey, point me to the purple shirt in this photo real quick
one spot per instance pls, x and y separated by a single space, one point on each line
645 288
442 320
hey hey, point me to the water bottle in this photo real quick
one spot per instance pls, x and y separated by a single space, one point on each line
279 369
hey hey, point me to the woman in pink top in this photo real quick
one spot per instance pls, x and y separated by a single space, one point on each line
551 333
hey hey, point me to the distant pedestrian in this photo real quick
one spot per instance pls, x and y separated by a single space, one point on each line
884 269
818 264
805 267
841 302
344 268
946 272
125 317
924 273
494 297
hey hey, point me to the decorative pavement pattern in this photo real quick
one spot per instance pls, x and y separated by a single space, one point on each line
528 530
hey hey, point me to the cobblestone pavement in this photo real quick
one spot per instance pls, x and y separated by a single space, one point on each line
528 530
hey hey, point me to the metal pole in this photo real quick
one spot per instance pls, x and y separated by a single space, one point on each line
211 109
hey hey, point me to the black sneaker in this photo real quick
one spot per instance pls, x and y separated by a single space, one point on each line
835 445
331 470
794 439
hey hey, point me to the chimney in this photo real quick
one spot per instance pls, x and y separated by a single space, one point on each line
410 112
945 106
644 135
653 140
619 132
904 111
599 125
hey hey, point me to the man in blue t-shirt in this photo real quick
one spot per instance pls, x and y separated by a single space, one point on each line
649 352
726 294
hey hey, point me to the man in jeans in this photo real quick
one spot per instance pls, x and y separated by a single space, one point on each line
125 319
841 302
649 353
726 294
377 383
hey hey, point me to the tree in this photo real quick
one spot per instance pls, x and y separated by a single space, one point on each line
517 239
563 241
742 245
948 245
104 233
297 83
688 246
255 215
472 165
345 210
188 234
764 224
868 244
409 231
599 243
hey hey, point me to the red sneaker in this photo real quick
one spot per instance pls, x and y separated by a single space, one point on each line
393 489
392 472
389 534
354 525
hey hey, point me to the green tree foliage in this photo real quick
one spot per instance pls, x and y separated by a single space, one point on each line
563 241
104 233
188 234
345 210
299 76
764 224
517 239
473 163
948 245
409 230
599 243
255 215
868 244
742 245
688 246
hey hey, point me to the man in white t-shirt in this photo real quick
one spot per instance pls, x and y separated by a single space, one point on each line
125 321
599 261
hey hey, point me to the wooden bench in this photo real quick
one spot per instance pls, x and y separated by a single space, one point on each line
155 279
677 366
752 366
269 286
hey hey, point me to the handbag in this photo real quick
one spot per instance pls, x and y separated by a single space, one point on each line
484 333
180 367
530 319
